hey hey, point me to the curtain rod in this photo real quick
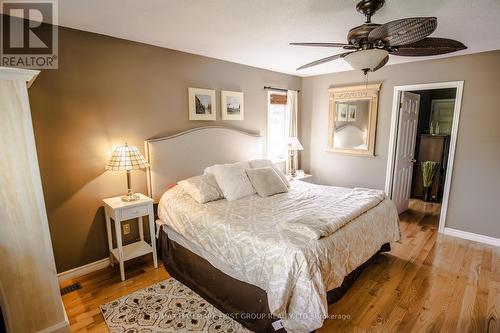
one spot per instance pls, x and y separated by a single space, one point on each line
277 89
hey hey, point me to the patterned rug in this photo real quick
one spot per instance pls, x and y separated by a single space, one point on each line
168 306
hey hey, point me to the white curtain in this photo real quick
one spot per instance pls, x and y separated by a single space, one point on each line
292 122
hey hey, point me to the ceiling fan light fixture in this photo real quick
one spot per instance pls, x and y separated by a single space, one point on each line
366 60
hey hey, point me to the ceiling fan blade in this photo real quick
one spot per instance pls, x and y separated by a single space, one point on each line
322 61
382 64
404 31
429 47
345 46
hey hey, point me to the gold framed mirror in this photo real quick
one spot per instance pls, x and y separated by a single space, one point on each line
352 121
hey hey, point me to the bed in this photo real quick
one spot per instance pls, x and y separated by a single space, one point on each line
238 256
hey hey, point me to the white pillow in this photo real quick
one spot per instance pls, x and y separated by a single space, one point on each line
268 163
208 176
266 181
200 189
232 179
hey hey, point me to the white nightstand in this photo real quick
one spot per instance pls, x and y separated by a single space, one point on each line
301 176
118 210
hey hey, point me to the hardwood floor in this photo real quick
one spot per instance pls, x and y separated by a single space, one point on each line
428 283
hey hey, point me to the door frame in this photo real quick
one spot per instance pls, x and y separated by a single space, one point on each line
389 177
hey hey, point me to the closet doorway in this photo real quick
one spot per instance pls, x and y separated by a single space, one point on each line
424 130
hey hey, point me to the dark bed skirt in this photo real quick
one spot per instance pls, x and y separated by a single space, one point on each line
243 302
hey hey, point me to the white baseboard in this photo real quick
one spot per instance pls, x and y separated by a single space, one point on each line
82 270
472 236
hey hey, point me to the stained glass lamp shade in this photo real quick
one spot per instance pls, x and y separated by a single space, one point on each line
294 144
127 158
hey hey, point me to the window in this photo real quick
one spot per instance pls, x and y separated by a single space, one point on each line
276 126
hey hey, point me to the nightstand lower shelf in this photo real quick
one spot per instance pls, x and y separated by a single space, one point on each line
133 250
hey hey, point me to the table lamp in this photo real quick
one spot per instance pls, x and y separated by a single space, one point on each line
293 146
126 158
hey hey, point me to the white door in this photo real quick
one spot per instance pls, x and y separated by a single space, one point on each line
405 151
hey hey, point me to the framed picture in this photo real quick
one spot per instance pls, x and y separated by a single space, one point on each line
342 112
351 116
232 105
202 104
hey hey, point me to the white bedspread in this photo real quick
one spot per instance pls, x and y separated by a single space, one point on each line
294 270
316 222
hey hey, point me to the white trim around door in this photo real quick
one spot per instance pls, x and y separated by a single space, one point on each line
459 85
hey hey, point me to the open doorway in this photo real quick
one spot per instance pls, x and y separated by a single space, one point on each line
422 146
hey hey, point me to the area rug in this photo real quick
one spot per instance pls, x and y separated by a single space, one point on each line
168 306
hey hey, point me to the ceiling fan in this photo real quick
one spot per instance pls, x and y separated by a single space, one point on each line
372 43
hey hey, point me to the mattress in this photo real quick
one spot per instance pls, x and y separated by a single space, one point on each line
243 239
199 251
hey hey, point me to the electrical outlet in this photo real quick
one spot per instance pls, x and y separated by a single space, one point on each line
126 229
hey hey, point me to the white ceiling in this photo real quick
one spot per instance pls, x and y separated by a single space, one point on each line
257 32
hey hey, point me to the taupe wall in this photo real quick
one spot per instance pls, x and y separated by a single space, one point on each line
475 185
106 91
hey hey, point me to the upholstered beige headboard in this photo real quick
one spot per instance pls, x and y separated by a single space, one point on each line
188 153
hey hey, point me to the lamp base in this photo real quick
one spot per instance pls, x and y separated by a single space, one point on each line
291 167
292 172
132 197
